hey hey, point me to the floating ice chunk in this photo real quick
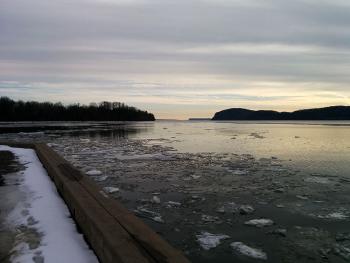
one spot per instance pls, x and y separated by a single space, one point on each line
340 237
100 178
195 177
238 172
172 204
335 215
155 199
259 222
342 251
208 218
143 212
245 250
158 219
228 208
207 240
94 172
50 144
280 231
317 179
110 189
302 197
246 209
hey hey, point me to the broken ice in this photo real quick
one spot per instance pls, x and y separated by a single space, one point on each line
110 189
94 172
245 250
259 222
207 240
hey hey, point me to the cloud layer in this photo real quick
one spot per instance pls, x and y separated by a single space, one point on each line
179 58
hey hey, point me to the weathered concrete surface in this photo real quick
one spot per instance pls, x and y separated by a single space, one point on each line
115 234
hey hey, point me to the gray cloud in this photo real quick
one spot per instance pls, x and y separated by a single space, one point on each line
143 51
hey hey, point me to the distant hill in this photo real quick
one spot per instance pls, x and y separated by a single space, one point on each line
11 110
327 113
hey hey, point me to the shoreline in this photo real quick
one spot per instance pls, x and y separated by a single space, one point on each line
120 234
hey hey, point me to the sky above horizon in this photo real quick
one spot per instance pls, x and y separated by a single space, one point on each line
177 59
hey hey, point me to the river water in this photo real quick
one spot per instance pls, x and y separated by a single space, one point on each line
200 184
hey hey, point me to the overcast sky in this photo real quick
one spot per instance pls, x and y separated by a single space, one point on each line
178 58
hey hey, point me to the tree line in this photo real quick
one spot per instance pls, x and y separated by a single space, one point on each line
11 110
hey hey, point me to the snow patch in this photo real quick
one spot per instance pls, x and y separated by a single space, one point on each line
60 241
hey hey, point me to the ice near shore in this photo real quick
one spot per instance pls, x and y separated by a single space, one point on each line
60 241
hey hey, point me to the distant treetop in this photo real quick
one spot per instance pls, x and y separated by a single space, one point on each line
11 110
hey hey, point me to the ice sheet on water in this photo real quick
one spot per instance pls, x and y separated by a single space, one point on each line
207 240
248 251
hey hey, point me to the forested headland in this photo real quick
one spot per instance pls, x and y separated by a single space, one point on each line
326 113
11 110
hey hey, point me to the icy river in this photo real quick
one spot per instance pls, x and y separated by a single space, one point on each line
220 191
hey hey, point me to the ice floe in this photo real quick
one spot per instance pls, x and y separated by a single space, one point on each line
246 209
342 251
100 178
144 212
171 204
155 199
262 222
110 189
94 172
302 197
317 179
207 240
211 219
280 232
248 251
230 207
335 215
